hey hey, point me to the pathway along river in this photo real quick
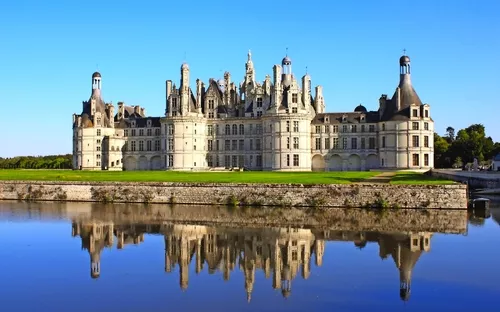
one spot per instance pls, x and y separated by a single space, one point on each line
93 257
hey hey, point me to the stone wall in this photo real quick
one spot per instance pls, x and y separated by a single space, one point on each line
286 195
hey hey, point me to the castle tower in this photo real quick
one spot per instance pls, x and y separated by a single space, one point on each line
96 85
184 89
306 90
319 102
249 70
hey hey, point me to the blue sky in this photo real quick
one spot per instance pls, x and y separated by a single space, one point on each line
49 50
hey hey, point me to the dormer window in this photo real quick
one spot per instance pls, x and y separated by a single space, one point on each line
327 119
149 123
133 123
295 98
344 118
259 102
426 113
362 118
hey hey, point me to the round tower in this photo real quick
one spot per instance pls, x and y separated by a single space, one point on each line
96 84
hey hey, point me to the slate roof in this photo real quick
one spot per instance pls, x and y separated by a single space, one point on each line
352 117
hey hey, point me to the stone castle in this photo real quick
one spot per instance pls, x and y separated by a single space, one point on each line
276 125
282 253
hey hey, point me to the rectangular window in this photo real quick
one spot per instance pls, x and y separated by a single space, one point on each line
259 102
141 132
295 126
170 160
251 144
287 126
133 132
241 145
335 143
327 143
426 160
426 114
362 128
296 143
295 98
257 144
296 160
416 141
258 160
234 162
383 141
344 143
157 145
294 110
149 145
125 132
227 145
170 129
157 132
227 161
149 132
98 132
371 128
227 130
132 146
174 103
344 128
318 143
211 114
426 126
414 125
318 129
210 145
415 160
259 113
371 143
170 144
210 129
234 145
354 143
426 141
415 113
211 104
210 160
363 145
141 146
241 161
288 143
354 128
288 160
335 129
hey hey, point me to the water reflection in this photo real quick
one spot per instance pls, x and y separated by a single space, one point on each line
281 253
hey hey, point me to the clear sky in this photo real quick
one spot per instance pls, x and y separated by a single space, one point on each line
49 50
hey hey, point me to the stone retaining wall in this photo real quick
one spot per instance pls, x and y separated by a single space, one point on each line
285 195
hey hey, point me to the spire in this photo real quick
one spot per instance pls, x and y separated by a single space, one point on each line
249 55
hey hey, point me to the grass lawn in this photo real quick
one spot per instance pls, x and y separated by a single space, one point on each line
408 177
344 177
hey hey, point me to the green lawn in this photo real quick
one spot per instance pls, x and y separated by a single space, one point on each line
408 177
174 176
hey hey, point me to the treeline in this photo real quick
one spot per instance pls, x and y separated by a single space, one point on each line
457 150
37 162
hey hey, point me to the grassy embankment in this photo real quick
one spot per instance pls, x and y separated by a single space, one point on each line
344 177
415 178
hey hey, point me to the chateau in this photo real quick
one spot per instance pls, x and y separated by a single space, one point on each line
276 125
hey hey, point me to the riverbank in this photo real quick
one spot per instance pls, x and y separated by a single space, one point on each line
381 195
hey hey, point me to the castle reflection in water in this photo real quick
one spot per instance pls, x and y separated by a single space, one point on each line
280 252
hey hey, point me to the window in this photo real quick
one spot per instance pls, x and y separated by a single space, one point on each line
194 148
415 113
234 162
98 148
371 143
149 132
210 114
287 126
426 126
132 146
211 104
98 163
335 143
259 102
174 103
362 128
327 143
414 125
141 132
295 98
157 131
210 130
426 160
170 144
327 129
318 143
157 145
363 145
228 130
415 159
295 126
235 129
234 145
251 144
416 141
296 143
149 145
318 129
257 144
288 143
241 161
210 145
354 128
426 141
227 161
241 145
98 132
354 143
371 128
258 160
217 145
98 156
383 127
426 114
227 145
335 129
242 129
170 160
125 132
210 162
294 110
383 141
344 143
171 129
259 114
296 160
344 128
141 145
288 160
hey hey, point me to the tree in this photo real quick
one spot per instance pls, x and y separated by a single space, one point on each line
450 134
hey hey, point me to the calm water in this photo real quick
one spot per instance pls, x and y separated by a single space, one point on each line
86 257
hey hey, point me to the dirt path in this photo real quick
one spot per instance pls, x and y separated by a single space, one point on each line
384 177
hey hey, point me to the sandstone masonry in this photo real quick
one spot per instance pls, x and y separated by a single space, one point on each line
284 195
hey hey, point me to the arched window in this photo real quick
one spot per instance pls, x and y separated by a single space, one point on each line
228 129
235 130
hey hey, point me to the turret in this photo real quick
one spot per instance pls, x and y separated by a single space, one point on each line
286 78
306 90
198 95
96 85
168 92
319 103
249 70
184 90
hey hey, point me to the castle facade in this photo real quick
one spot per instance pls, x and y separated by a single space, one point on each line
275 125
